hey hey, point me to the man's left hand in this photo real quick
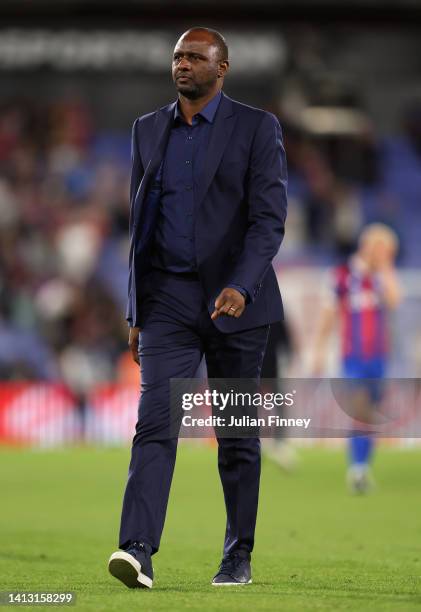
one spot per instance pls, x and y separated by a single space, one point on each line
229 302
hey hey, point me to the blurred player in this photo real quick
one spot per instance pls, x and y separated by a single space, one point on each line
279 351
365 289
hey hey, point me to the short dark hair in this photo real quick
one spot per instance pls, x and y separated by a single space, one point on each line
218 39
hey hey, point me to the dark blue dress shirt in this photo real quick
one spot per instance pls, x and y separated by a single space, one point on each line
177 183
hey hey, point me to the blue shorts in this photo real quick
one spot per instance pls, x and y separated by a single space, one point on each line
366 374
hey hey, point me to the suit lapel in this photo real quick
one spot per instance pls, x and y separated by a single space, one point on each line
161 131
220 134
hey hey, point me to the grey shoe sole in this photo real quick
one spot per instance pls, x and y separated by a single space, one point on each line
125 568
218 584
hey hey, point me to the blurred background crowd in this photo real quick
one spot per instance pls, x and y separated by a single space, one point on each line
63 245
347 93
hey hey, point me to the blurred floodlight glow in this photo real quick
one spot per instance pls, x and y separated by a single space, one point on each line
334 120
127 49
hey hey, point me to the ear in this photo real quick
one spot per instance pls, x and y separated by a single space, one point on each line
223 68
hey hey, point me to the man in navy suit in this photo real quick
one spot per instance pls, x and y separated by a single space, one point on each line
208 208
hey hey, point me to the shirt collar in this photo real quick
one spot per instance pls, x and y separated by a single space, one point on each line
208 112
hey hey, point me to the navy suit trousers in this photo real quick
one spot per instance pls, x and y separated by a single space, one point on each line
176 331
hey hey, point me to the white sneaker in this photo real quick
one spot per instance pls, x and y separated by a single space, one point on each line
359 479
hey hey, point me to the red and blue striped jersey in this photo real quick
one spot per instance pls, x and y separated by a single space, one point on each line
363 319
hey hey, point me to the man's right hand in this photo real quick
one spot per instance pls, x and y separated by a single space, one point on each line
134 342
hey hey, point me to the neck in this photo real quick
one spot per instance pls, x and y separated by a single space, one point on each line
189 108
363 262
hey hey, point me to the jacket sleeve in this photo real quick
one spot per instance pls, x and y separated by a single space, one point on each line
267 206
135 179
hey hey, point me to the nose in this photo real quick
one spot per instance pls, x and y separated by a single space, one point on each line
184 64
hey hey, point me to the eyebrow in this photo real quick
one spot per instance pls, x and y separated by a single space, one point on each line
189 53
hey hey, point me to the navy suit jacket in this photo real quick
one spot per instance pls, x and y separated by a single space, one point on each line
241 207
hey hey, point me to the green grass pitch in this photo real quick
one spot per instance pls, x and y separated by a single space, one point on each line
317 547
